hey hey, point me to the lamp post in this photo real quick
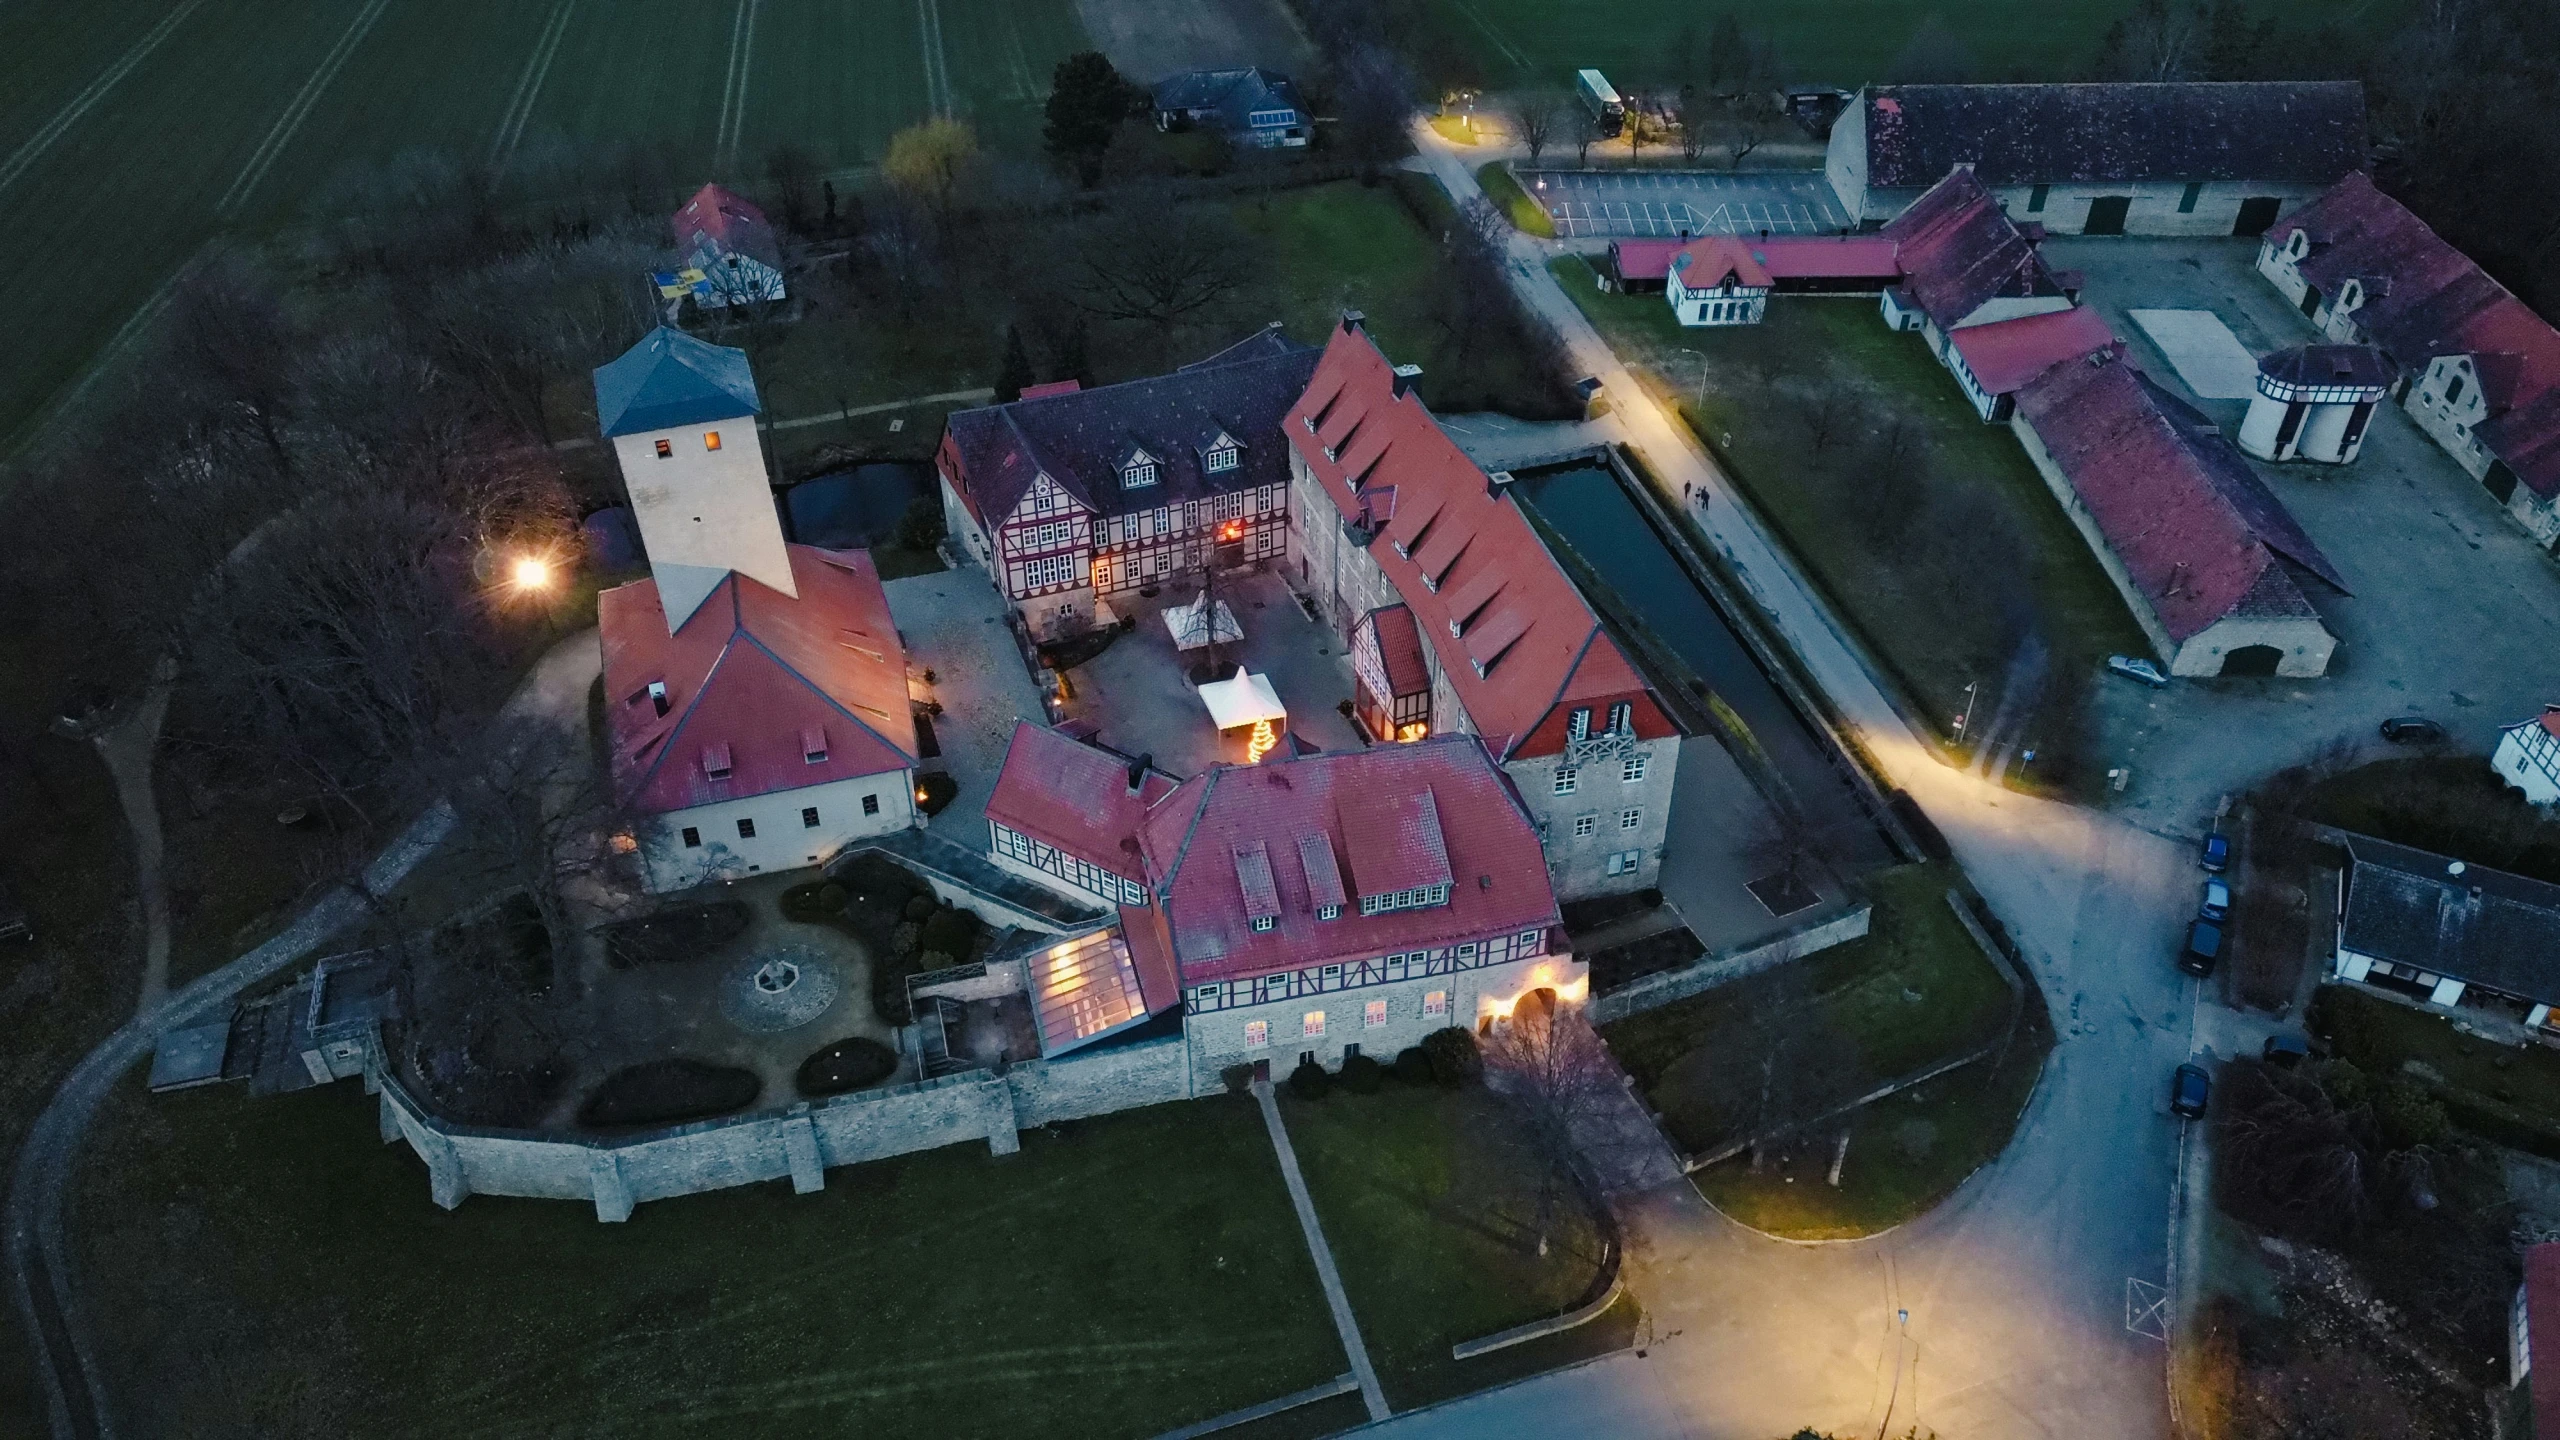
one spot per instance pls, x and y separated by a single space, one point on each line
1964 722
1702 377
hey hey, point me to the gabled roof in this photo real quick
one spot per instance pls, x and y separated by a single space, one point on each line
1079 439
2411 907
2006 354
671 379
2333 366
1527 645
752 678
1784 257
1434 812
723 220
1958 250
1400 650
1061 791
2191 523
1234 93
2293 132
1707 264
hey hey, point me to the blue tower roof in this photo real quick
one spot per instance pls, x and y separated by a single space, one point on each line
671 379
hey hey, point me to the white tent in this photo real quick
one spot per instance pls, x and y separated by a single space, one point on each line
1241 701
1190 627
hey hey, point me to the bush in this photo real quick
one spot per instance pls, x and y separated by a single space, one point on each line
1309 1081
920 908
668 1092
1237 1078
831 897
921 527
848 1064
1455 1060
1362 1075
903 938
952 932
937 791
1413 1066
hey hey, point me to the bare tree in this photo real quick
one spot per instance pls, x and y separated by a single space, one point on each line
2160 40
1693 126
793 172
1548 1061
1535 117
1161 267
229 343
1790 846
1583 129
1634 128
534 814
1746 128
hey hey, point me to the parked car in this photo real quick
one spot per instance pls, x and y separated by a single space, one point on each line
2217 852
2189 1089
2136 669
2217 899
2204 946
2285 1051
2411 730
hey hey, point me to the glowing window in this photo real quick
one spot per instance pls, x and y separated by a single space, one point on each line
1436 1003
1311 1025
710 439
1257 1034
1373 1014
666 449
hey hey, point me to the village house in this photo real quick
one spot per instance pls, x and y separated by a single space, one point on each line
727 251
1307 908
2314 402
1069 498
1461 621
2448 933
2204 554
1796 264
1248 104
1964 262
2528 756
2186 158
1727 280
755 691
2476 368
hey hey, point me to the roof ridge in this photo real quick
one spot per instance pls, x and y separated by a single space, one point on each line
675 732
813 688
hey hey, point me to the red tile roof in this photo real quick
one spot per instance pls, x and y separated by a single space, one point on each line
2189 520
727 220
2542 1334
1062 792
1799 257
1400 650
1524 647
1706 264
1958 250
2298 132
2424 298
1437 812
2006 354
1054 387
750 677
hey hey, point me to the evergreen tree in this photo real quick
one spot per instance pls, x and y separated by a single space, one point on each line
1074 360
1015 372
1087 101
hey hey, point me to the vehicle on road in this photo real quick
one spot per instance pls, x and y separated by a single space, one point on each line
2411 730
1600 98
2216 853
2189 1089
2204 946
2285 1051
2217 899
2137 669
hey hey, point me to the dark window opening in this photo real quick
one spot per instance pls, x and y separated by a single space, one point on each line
2187 201
2036 197
746 829
666 449
809 817
692 838
870 805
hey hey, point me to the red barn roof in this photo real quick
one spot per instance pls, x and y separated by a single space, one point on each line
1783 257
1706 264
1062 792
753 678
2006 354
727 220
1513 634
1959 250
2189 520
1400 650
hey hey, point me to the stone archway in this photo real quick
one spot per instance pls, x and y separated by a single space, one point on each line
2252 660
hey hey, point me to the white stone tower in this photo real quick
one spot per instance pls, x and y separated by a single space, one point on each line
681 414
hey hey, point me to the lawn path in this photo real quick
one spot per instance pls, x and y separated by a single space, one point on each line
128 750
537 67
1371 1393
289 123
81 104
733 93
937 61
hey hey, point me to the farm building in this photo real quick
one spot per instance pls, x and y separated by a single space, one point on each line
1390 519
1994 362
2190 158
728 243
2203 553
1717 281
1965 265
1068 498
1249 105
2476 367
2314 402
755 691
2442 931
2528 756
1310 907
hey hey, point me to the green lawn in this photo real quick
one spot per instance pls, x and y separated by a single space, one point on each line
1924 611
2384 1038
136 183
1509 43
1819 1032
1430 1204
274 1270
1503 189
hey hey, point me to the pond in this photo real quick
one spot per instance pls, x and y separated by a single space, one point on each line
1585 504
859 507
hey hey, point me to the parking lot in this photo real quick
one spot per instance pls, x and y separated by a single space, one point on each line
1665 203
2455 615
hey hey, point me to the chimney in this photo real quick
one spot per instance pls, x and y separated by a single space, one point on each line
1138 771
1353 320
658 696
1405 376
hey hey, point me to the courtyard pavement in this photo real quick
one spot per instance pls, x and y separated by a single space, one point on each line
2455 615
1666 203
953 624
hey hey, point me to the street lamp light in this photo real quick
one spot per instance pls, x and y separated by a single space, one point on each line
1702 378
530 573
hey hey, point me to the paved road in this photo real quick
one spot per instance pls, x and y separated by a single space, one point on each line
2015 1289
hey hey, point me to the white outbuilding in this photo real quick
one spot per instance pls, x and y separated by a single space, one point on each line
2314 402
2528 756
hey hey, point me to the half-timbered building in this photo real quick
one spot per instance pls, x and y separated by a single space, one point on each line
1068 498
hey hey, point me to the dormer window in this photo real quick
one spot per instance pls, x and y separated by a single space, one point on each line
1219 460
1328 912
1138 474
715 762
1262 924
1622 718
813 745
1577 726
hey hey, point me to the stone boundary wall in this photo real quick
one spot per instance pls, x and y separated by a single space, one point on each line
1711 971
801 1142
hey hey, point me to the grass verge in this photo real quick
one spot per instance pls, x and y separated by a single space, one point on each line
1430 1201
277 1271
1503 188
